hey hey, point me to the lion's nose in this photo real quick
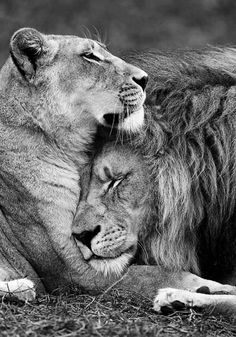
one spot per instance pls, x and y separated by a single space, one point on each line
142 82
86 236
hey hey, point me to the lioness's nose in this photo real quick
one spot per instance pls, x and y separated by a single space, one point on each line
142 81
86 236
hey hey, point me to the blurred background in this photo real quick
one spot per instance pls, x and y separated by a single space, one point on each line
125 24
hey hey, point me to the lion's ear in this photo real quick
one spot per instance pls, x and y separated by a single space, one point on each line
27 45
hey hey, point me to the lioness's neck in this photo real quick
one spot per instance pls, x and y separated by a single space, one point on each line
41 153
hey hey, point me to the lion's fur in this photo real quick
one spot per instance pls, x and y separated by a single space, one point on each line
175 181
112 208
189 154
189 146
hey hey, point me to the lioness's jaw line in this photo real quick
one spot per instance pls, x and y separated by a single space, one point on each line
134 122
131 123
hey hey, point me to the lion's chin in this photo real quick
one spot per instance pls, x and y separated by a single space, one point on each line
107 265
111 266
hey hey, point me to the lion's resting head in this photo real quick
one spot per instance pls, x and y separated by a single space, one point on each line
108 220
188 184
54 92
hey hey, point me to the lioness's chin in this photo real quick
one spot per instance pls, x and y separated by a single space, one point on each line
133 122
109 266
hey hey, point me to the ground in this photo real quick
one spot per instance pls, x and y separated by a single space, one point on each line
110 314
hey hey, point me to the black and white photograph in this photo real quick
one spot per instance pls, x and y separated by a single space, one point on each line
118 168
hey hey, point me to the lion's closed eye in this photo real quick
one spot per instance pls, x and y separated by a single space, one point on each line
114 183
115 179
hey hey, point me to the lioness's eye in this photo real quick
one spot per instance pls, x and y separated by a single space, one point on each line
89 56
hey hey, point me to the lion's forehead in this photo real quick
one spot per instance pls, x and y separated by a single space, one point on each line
120 161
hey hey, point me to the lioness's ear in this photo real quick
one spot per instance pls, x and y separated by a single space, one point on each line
27 45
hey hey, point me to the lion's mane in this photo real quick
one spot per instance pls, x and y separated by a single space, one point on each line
190 146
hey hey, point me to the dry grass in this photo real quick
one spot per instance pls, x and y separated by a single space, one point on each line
112 314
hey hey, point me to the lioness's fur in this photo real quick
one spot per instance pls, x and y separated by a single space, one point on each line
54 92
187 218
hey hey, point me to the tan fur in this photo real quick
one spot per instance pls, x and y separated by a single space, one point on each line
54 92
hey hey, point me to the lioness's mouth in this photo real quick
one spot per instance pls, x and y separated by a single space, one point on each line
112 119
129 121
132 116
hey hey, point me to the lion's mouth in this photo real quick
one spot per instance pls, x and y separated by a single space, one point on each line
130 250
107 265
89 255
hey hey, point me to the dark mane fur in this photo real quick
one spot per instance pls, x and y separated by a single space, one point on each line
189 143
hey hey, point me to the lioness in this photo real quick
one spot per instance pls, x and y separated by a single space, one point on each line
54 92
173 190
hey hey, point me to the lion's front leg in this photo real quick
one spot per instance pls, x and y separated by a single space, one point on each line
192 282
148 280
178 299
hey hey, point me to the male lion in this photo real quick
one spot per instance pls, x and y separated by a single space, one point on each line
171 190
54 92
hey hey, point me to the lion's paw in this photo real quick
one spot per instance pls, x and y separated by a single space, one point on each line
23 289
177 299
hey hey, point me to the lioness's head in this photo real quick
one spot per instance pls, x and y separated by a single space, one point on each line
73 82
108 220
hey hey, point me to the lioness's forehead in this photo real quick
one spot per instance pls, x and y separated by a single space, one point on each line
76 43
